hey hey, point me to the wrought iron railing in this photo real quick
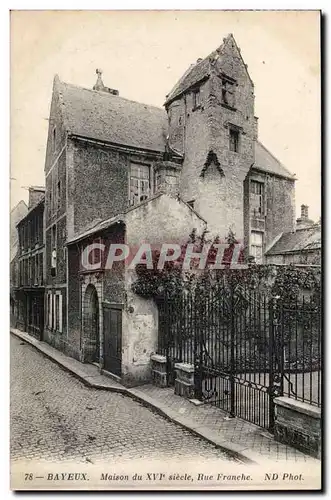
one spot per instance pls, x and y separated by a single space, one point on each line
247 348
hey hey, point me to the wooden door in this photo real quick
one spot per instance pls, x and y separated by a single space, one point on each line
112 326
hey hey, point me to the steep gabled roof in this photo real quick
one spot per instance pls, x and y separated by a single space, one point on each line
202 69
302 240
267 162
194 74
102 116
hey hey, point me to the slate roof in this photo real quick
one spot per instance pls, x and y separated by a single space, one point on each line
194 74
99 115
266 161
299 241
103 116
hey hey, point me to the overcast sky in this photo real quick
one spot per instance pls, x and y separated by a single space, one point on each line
143 54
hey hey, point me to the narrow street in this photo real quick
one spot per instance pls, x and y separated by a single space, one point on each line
54 417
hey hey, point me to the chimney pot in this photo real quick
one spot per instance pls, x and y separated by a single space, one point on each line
304 211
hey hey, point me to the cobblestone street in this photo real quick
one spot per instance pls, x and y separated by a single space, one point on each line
55 417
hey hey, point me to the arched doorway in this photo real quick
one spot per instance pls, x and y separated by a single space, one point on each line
91 325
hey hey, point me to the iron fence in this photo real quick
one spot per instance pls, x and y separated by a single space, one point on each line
246 348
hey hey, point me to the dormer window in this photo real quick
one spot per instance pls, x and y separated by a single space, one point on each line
196 99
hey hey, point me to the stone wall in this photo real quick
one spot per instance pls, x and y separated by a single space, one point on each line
161 220
98 181
280 206
299 425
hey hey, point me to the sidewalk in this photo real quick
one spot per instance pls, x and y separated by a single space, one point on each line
241 439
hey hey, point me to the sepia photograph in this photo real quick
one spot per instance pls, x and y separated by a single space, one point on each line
165 250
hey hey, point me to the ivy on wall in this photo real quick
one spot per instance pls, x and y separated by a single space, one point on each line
287 283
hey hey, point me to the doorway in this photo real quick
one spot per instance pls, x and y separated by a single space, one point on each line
91 325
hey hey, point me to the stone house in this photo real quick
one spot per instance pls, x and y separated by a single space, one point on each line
29 288
302 246
118 171
16 214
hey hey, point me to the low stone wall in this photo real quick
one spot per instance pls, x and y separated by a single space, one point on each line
299 425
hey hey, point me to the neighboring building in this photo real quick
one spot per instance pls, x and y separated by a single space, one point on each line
303 246
16 214
121 171
30 290
107 322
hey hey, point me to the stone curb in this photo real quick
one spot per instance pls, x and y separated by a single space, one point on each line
231 448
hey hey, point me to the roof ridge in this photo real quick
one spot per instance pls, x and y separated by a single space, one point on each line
106 94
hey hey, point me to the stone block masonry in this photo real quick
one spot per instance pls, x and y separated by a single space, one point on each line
159 370
299 425
184 383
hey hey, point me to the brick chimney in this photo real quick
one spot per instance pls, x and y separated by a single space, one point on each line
36 194
100 85
304 211
304 221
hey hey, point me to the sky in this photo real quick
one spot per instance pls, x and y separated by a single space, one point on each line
144 53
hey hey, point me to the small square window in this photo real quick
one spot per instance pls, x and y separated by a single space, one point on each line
234 140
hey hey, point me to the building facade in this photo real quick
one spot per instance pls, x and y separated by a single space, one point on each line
122 172
29 289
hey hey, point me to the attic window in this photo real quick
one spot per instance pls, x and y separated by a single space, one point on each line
228 87
196 99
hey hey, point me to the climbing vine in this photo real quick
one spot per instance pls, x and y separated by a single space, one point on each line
287 283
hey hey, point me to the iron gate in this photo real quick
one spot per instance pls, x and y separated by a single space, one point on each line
233 336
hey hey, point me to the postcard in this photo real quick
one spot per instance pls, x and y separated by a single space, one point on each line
165 285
